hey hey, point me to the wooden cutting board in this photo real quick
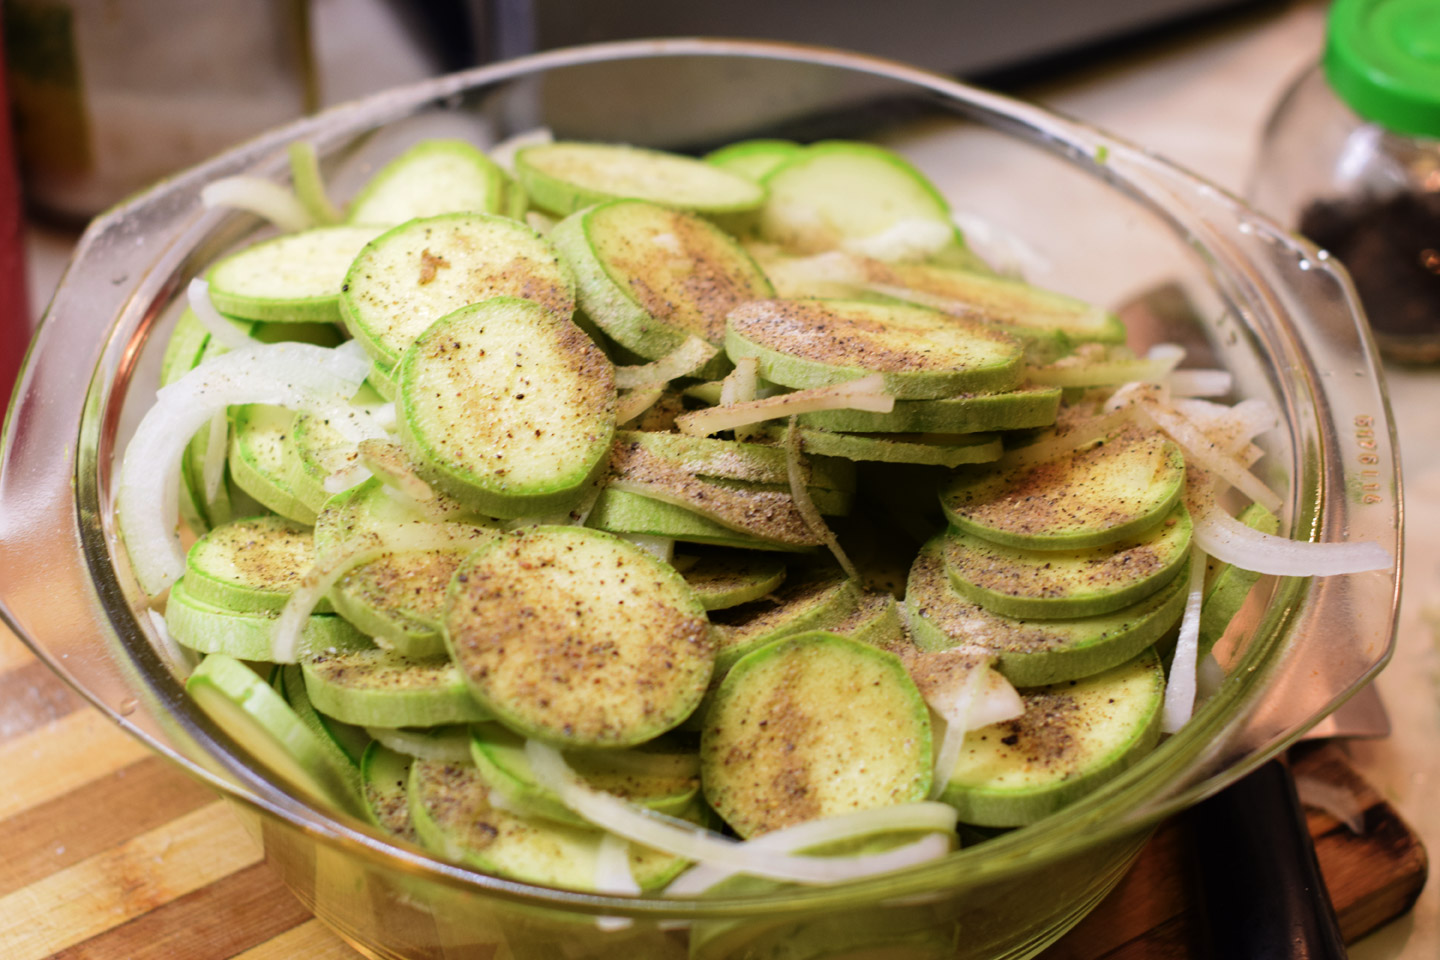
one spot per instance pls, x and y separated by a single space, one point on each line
108 852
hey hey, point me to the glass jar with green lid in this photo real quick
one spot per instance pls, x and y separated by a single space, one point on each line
1351 159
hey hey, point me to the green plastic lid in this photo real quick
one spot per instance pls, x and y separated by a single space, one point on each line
1382 57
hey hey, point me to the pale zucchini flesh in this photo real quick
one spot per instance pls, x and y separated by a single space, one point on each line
578 638
1033 652
265 462
947 450
922 354
431 178
1049 584
249 636
507 407
564 177
812 726
295 278
970 413
250 564
422 270
802 604
728 578
381 688
618 511
1073 737
385 785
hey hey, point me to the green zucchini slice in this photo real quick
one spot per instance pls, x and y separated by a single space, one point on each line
1033 652
577 637
754 158
802 604
424 269
967 413
248 636
934 449
385 782
564 177
258 719
251 564
1099 494
508 408
922 354
431 178
1073 737
651 277
1054 584
452 814
728 578
618 511
665 782
812 726
265 462
1227 586
381 688
295 278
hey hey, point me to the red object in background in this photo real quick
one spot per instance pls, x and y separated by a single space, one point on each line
14 306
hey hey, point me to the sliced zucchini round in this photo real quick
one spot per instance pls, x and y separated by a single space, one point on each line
431 178
258 719
665 782
1106 492
876 620
1033 652
265 462
578 638
250 564
345 743
618 511
812 726
1227 586
248 636
802 604
733 460
934 449
381 688
563 177
416 273
451 810
1054 584
837 191
507 407
728 578
922 354
1073 737
651 276
385 780
295 278
967 413
753 158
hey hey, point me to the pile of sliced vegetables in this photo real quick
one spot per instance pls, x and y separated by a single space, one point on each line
559 497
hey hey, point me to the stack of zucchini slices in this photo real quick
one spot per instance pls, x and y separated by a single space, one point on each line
531 540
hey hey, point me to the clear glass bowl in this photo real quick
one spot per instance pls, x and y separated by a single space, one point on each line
1104 220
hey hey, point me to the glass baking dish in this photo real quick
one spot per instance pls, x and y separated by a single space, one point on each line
1101 219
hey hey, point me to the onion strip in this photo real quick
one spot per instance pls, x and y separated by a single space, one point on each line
221 328
681 839
685 359
1180 686
1227 539
260 197
444 747
796 471
1200 383
632 403
866 393
1075 372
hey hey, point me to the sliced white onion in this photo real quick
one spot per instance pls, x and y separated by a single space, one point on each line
685 359
1200 383
681 839
1227 539
224 330
909 239
446 747
866 393
182 660
612 867
662 548
1180 686
310 185
1078 372
797 473
217 447
632 403
388 461
1335 799
740 386
261 197
295 375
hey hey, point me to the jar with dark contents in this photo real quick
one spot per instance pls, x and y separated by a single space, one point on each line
1351 159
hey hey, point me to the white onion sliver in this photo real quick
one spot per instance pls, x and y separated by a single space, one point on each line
217 447
995 701
661 548
295 375
1226 538
183 660
866 393
1335 799
634 402
442 747
1200 449
1156 366
215 323
913 238
263 198
739 386
1181 684
612 866
796 473
1200 383
685 840
685 359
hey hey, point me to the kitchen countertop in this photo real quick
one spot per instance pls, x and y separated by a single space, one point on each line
1201 101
